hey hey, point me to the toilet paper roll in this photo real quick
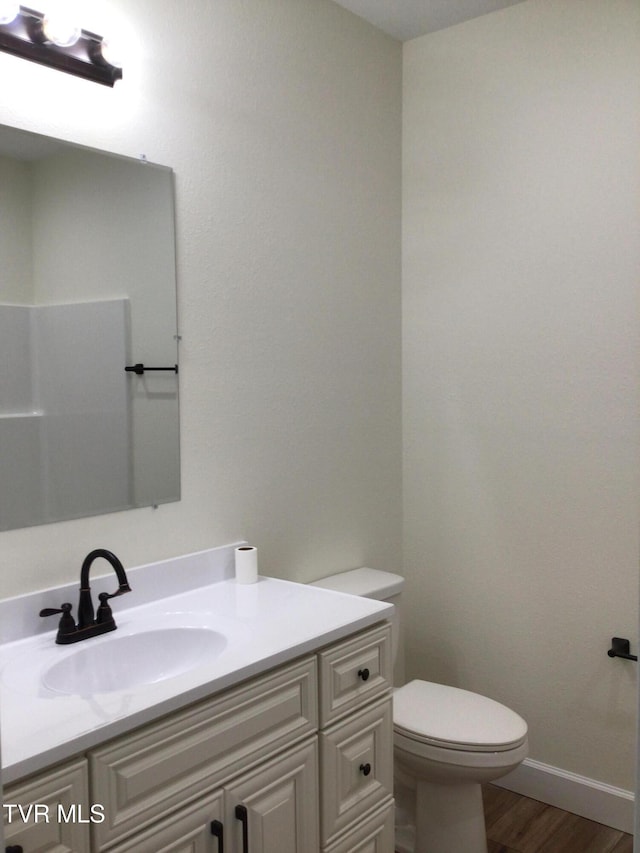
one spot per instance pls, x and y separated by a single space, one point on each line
246 564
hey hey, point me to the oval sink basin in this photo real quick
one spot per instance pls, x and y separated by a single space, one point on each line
133 660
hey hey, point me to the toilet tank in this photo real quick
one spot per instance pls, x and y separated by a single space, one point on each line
383 586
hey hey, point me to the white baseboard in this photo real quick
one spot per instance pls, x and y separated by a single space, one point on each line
573 793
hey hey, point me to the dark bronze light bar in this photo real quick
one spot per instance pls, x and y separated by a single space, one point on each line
25 37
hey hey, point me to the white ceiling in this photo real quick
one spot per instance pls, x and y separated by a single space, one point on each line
407 19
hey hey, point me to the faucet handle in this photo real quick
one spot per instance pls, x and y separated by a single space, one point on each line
104 613
67 624
105 596
65 609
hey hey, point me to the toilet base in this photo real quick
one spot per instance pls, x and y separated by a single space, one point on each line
448 818
405 839
440 793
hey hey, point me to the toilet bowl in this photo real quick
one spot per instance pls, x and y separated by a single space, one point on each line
447 743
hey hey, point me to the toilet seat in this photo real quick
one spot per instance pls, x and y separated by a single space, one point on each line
436 715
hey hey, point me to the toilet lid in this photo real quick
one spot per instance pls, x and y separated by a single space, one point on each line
454 718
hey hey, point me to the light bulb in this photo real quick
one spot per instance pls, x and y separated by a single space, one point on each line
8 11
111 52
60 30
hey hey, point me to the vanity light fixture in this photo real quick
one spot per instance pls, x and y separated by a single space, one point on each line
61 31
57 43
8 11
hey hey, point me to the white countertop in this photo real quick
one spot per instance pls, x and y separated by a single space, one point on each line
266 624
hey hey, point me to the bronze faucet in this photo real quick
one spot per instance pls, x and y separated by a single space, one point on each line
88 624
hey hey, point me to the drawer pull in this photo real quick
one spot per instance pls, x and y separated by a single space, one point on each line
217 830
365 769
241 814
364 674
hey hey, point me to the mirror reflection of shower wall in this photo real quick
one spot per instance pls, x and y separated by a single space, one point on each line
87 286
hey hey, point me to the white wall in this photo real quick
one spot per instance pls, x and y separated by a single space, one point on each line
521 343
281 119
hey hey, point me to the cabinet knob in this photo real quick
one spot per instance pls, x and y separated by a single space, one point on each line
365 769
14 848
364 674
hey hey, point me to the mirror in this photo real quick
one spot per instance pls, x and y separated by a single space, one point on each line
87 242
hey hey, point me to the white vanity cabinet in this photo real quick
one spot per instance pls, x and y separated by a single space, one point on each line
297 760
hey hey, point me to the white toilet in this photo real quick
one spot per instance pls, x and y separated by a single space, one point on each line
447 742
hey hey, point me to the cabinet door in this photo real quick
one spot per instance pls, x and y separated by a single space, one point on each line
55 811
356 758
274 809
196 828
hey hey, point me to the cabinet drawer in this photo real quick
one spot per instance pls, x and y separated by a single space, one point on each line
375 834
140 776
354 672
63 802
356 761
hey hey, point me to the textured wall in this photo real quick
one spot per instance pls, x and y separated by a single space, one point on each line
281 119
521 344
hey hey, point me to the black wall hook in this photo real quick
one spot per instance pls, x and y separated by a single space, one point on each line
621 648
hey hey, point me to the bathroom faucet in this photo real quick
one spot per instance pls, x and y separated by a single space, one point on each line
88 624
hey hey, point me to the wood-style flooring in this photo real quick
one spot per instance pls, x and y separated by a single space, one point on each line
517 824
